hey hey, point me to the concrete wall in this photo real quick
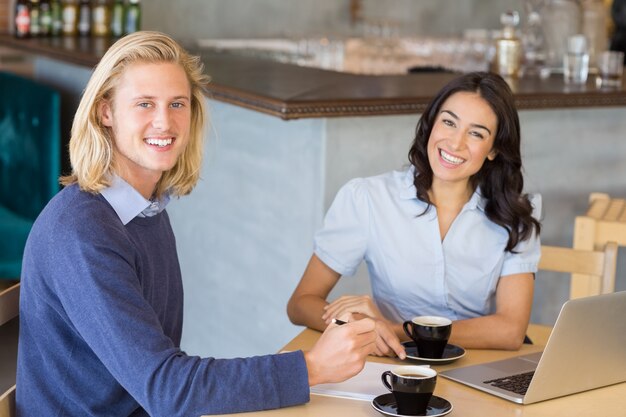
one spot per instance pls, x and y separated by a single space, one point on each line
193 19
245 232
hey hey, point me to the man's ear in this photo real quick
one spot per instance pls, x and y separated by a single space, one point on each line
106 113
492 155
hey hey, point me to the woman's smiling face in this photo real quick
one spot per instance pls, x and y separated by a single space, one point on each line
462 138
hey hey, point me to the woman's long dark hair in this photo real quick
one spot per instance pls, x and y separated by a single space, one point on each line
500 180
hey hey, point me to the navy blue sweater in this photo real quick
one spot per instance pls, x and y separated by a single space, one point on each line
101 315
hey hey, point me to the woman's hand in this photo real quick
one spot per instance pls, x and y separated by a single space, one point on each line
362 306
387 343
355 304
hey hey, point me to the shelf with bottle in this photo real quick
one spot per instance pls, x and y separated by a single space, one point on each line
508 57
99 18
132 17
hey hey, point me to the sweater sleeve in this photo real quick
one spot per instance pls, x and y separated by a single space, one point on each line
99 290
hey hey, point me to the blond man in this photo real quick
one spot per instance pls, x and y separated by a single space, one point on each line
102 298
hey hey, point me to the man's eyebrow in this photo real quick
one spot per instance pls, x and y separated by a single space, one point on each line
148 97
451 113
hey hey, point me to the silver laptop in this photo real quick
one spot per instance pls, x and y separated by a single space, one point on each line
586 350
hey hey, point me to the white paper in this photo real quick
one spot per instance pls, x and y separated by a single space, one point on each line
366 385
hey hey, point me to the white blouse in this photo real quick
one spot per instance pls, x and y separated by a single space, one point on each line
412 272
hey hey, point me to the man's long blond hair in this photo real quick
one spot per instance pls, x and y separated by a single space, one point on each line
91 143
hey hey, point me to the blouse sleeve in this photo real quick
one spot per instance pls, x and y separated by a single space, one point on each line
526 254
343 239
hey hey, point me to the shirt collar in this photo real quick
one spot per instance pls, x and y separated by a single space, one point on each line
476 201
408 192
407 189
128 203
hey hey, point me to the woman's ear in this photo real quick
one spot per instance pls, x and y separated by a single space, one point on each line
106 114
492 155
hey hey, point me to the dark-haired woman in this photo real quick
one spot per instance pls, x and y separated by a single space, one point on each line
453 235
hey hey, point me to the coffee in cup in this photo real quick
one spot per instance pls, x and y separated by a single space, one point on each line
412 388
430 334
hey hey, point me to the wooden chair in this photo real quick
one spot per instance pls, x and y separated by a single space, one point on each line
599 265
604 221
7 403
9 309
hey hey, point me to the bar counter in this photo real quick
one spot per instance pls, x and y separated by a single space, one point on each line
293 92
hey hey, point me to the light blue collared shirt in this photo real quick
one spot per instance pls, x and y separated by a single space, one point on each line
128 203
412 272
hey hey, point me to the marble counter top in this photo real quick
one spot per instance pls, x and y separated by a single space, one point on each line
293 92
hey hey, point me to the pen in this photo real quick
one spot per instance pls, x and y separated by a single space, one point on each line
339 322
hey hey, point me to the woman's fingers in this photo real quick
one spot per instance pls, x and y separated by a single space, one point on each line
351 304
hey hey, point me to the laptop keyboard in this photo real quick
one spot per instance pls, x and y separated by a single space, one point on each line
515 383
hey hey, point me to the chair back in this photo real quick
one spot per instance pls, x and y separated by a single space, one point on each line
606 218
9 303
9 309
598 265
604 221
7 403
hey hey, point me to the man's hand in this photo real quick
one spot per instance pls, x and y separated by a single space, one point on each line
340 352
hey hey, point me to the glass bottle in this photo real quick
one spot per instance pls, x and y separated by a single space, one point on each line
84 18
508 57
45 18
533 42
35 16
101 18
56 17
594 23
70 17
132 17
117 18
561 19
576 60
22 19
